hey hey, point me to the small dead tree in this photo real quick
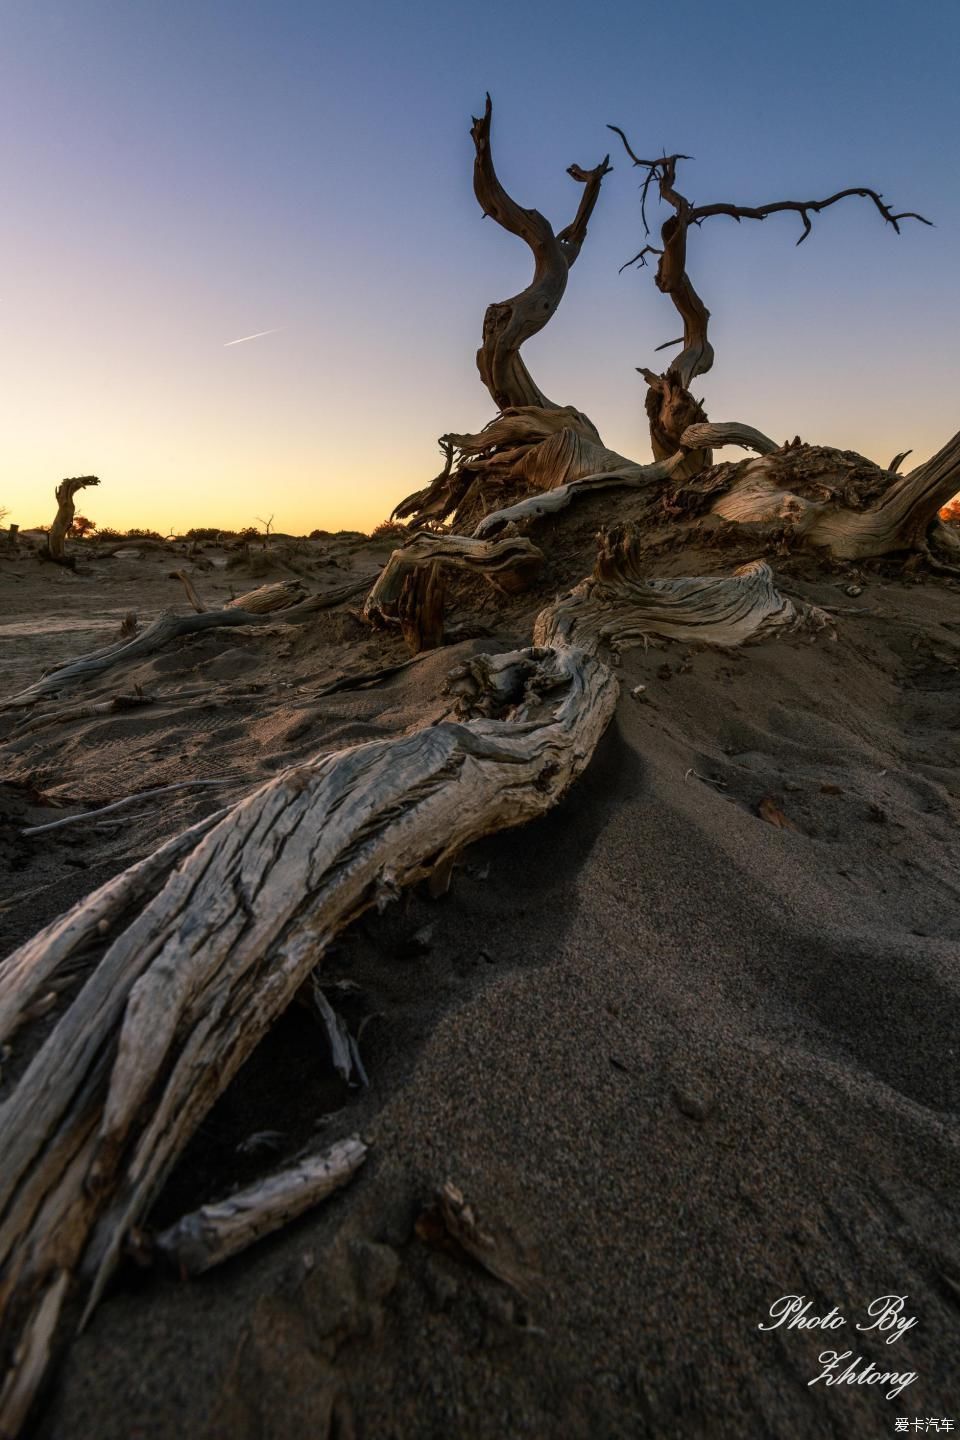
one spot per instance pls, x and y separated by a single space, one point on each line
670 406
63 520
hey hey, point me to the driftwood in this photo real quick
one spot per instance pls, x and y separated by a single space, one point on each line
128 800
232 921
169 627
215 1233
618 606
280 595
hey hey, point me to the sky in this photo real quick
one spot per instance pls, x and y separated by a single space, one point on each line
178 176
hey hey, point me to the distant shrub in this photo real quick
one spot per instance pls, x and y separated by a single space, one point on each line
210 532
81 526
319 535
136 534
108 533
388 529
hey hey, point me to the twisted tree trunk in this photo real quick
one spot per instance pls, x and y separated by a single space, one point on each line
508 323
62 521
671 409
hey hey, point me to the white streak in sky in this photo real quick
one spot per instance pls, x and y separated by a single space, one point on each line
244 338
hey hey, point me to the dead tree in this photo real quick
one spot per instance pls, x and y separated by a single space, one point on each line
670 406
534 458
508 323
63 519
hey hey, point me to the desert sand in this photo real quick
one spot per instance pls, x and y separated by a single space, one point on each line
681 1059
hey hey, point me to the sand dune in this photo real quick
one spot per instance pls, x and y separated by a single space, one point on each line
683 1060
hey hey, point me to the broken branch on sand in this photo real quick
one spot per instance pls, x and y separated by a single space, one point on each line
170 627
216 1232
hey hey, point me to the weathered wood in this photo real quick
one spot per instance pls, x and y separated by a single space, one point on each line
216 1232
130 800
713 435
169 627
551 502
619 605
420 608
841 502
190 590
189 983
509 564
278 595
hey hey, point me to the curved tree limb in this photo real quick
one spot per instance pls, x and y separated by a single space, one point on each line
712 436
508 323
550 502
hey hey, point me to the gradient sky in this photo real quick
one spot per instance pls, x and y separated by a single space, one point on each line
179 175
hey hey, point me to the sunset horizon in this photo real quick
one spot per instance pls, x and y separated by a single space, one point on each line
267 288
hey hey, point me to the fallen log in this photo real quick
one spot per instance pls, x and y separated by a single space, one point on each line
234 918
169 627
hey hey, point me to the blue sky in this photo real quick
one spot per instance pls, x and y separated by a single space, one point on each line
179 175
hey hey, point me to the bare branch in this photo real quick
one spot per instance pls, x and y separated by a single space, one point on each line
801 207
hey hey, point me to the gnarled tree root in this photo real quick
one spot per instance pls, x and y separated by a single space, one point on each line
409 592
619 606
